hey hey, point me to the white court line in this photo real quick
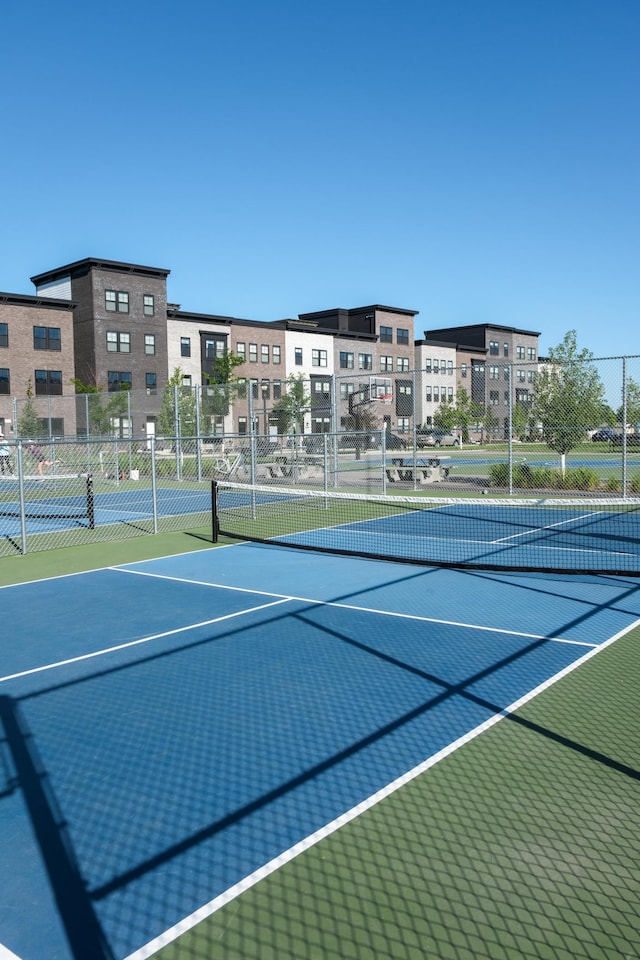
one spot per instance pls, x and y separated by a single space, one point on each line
351 606
140 640
5 954
149 949
548 526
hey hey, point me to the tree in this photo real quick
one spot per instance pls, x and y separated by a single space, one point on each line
569 396
221 386
290 409
446 416
101 412
633 404
467 412
186 404
30 422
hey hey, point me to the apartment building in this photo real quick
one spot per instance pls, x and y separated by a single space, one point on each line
108 324
436 363
495 364
119 329
36 362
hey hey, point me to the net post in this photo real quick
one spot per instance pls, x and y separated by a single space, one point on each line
215 522
90 503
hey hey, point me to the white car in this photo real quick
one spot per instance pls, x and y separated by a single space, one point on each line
435 438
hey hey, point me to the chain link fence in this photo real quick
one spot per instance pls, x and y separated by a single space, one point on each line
498 427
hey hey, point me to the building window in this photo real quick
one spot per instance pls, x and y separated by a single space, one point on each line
118 342
404 424
450 367
521 376
148 307
118 380
450 393
185 346
531 353
403 365
253 353
298 356
531 376
116 301
4 334
427 365
5 381
386 334
242 426
463 371
276 354
494 373
264 352
149 344
494 397
427 395
241 350
255 392
186 379
386 364
214 348
48 383
241 386
346 360
520 353
436 394
506 349
318 358
494 348
151 381
402 336
346 389
277 389
365 361
46 338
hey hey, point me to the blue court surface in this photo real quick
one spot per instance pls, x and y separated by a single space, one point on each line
173 728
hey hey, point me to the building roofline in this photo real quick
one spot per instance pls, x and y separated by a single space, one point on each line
31 300
483 326
435 343
81 267
351 310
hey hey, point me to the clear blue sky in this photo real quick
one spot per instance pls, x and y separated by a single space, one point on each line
475 160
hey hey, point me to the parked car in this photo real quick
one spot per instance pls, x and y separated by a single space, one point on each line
604 435
435 438
632 439
393 442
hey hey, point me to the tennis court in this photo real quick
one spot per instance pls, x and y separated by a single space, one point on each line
48 506
192 744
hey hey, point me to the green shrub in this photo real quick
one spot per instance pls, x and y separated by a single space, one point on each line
527 477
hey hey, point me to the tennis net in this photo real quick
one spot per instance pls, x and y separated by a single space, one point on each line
49 498
549 534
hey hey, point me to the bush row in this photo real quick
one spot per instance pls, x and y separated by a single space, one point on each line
550 478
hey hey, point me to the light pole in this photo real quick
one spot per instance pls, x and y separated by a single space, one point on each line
265 394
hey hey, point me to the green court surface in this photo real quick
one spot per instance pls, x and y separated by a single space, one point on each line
524 844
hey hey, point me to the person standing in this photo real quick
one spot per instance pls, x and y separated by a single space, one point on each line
39 457
5 456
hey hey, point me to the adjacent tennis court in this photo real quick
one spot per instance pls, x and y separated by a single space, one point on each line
227 753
